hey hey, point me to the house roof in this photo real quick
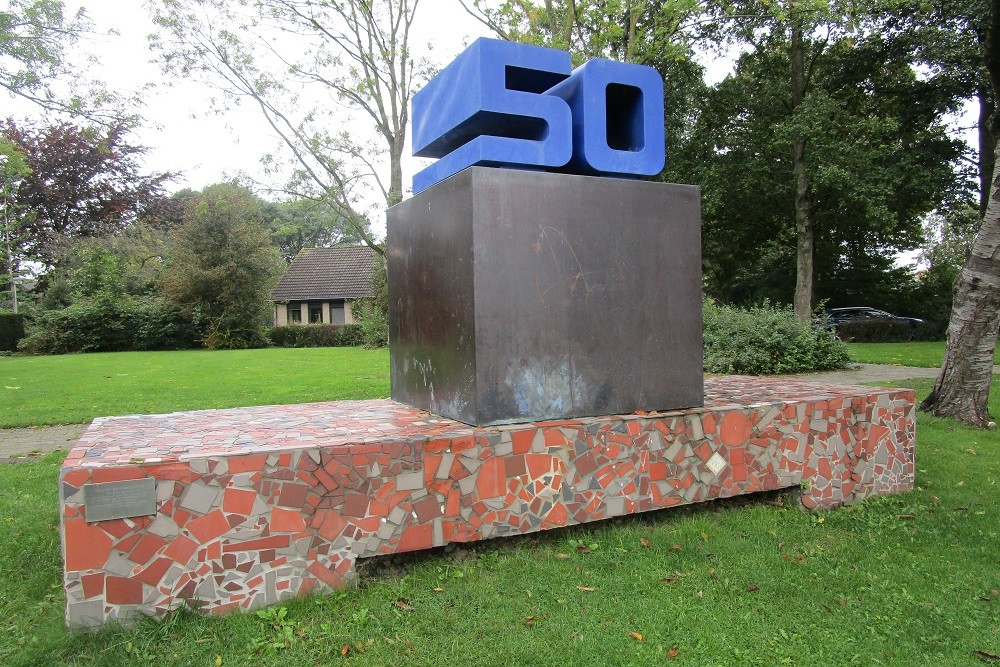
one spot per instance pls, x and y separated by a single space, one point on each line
342 272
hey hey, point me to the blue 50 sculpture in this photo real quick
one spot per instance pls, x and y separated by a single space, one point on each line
516 105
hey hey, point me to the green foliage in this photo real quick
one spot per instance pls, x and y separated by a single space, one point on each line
315 335
303 223
109 323
372 314
878 159
11 330
765 340
221 267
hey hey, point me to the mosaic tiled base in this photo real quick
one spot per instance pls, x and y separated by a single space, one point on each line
256 505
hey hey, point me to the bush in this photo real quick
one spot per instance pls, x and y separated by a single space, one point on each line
766 340
109 325
315 335
11 330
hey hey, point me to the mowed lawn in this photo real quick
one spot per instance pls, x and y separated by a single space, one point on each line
904 580
922 354
69 389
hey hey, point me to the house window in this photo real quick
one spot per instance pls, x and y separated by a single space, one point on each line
294 314
336 312
315 314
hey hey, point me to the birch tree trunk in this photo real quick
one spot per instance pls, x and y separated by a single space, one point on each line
962 389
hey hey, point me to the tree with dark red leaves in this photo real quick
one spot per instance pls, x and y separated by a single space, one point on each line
84 182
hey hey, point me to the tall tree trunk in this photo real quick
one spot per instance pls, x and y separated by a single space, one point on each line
803 205
986 148
962 389
396 169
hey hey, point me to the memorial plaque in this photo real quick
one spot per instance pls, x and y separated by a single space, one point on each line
120 500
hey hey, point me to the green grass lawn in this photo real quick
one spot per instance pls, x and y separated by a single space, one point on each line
76 388
923 354
903 580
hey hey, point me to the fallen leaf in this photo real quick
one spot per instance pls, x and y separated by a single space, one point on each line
986 657
404 604
843 602
345 649
995 592
704 536
583 549
218 660
645 541
438 590
587 589
700 595
676 547
827 607
971 452
636 636
753 587
905 516
562 556
711 572
673 653
529 621
669 580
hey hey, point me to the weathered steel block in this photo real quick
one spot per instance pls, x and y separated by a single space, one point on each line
518 296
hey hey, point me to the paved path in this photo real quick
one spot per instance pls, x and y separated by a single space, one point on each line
18 444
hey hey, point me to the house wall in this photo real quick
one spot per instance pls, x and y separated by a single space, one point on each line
330 312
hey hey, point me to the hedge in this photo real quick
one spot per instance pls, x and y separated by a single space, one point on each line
110 325
315 335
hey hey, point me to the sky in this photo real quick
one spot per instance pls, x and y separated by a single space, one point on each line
180 129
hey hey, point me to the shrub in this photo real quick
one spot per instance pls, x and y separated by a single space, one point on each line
766 340
315 335
11 330
109 325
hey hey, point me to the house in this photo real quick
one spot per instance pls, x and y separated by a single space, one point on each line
320 284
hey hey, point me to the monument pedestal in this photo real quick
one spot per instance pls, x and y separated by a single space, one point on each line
251 506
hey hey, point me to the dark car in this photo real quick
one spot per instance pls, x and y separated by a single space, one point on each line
865 314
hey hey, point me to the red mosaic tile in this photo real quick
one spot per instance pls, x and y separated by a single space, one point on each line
123 590
87 547
210 526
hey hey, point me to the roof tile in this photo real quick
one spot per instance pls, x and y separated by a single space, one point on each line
341 272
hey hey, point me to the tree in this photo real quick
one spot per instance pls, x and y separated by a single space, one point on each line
883 161
36 40
352 55
221 267
84 182
962 389
302 223
13 170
